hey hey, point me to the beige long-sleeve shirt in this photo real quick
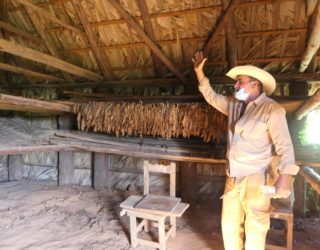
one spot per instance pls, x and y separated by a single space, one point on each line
250 138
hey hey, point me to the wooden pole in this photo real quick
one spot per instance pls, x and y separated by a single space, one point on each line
312 177
309 105
314 41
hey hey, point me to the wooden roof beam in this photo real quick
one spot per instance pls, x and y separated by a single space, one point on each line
154 48
18 70
231 41
49 16
220 26
18 50
150 32
19 32
217 80
99 54
26 104
41 31
314 40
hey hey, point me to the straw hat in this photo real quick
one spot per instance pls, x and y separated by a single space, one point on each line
267 80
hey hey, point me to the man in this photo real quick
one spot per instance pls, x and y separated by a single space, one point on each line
256 124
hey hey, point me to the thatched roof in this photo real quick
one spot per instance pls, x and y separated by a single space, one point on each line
111 43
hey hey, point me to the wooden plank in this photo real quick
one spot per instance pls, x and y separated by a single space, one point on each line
220 26
18 70
15 167
99 54
48 15
65 168
300 195
148 41
101 165
38 25
19 32
44 105
18 50
188 183
12 150
150 32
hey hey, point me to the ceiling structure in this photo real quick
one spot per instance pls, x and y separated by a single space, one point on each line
100 43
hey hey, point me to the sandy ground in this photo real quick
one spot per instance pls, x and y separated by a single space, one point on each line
41 215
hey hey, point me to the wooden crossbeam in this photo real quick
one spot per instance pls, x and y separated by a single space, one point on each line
38 25
220 26
217 80
148 41
19 32
99 54
49 16
18 50
10 102
18 70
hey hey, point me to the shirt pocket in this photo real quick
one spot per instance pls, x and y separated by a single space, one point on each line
254 130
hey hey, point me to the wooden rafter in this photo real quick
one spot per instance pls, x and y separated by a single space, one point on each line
49 16
8 58
314 40
18 70
154 48
18 50
231 41
19 32
220 26
50 48
99 54
150 32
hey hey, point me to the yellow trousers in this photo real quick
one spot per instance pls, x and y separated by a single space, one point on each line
245 213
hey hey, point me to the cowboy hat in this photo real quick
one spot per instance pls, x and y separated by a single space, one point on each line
267 80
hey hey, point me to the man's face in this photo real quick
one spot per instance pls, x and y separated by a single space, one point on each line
243 82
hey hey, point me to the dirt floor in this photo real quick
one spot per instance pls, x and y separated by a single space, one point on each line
41 215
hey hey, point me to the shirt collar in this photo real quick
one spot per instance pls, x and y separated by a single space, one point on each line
260 99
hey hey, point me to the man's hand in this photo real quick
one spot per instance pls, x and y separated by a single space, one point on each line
198 63
283 186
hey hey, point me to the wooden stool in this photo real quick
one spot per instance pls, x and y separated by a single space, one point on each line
154 208
287 216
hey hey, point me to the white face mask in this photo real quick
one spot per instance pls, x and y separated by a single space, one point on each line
241 94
